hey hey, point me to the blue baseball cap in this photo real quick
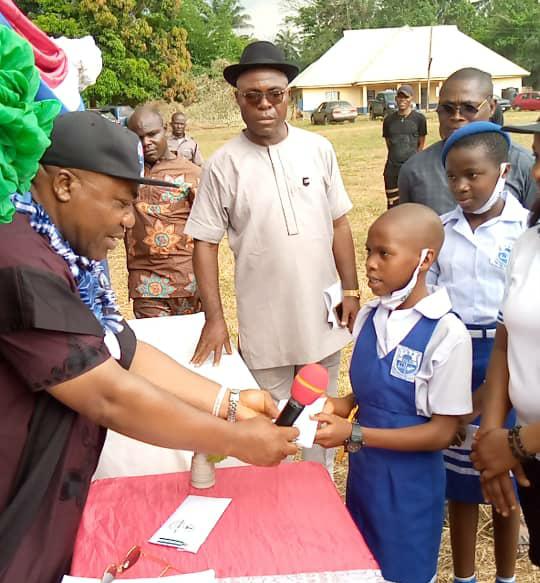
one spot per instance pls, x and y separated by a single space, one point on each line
471 129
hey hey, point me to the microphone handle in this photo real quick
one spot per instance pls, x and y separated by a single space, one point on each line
290 413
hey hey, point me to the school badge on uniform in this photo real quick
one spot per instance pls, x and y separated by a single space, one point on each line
406 363
502 256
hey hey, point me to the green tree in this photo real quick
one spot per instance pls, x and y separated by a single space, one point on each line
428 12
513 30
211 28
289 42
143 47
320 23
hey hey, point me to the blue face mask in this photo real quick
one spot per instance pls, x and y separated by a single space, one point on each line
495 195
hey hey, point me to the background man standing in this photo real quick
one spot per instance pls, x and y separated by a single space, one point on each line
277 192
159 255
405 133
464 97
181 144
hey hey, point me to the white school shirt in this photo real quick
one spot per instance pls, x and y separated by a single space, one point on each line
472 265
520 313
443 382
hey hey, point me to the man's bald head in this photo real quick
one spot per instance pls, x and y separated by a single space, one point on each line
144 114
464 97
147 123
471 75
416 225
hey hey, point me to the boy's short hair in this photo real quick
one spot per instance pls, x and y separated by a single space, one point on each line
494 144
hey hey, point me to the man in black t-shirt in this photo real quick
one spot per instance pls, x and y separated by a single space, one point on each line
405 133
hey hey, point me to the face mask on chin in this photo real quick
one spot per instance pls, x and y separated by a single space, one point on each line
495 195
396 298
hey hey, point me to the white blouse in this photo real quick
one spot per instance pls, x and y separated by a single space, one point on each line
443 381
520 313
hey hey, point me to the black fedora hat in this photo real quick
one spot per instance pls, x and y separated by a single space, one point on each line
260 54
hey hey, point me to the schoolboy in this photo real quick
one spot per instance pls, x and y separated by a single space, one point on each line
479 236
409 350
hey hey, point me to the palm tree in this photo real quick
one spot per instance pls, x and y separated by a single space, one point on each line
288 41
234 11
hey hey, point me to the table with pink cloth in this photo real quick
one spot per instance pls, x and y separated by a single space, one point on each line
282 520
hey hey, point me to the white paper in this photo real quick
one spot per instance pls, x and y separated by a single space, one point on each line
355 576
191 523
200 577
333 296
470 432
306 426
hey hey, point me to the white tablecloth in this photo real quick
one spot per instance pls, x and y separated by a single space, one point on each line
177 336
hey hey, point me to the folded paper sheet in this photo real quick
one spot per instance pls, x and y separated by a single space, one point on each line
191 523
306 426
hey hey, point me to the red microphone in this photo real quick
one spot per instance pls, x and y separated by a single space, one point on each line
309 384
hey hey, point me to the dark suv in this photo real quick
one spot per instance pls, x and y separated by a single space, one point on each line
383 104
334 111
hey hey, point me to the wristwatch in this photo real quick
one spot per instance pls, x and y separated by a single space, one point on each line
234 397
351 293
356 440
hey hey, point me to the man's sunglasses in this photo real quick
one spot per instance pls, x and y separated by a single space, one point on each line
467 110
274 96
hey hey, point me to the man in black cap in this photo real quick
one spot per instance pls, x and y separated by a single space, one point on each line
70 365
277 192
464 97
405 133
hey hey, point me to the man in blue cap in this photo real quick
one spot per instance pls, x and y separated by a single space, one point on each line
465 96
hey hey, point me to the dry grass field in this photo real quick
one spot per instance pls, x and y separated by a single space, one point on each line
361 153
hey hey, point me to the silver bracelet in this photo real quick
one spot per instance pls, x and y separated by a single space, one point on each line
234 398
219 400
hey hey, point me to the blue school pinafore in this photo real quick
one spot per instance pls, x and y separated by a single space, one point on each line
396 498
462 480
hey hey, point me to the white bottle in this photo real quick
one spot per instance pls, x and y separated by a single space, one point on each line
203 472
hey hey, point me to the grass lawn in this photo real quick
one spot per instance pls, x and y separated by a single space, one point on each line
361 153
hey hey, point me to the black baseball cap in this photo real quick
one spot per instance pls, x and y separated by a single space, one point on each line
87 141
406 90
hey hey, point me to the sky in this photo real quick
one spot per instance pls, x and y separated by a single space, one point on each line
266 17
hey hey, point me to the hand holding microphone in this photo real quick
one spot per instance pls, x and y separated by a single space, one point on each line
309 384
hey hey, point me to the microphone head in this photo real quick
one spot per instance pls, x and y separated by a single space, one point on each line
309 384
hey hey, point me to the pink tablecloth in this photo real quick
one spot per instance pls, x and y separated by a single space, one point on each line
288 519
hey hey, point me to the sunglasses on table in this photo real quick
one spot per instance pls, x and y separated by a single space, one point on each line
132 556
274 96
467 110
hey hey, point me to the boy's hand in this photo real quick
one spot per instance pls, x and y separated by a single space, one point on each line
333 430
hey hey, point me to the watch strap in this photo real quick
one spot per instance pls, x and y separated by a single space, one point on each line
234 398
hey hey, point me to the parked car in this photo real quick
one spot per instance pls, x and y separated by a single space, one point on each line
334 111
504 104
383 104
117 113
529 101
